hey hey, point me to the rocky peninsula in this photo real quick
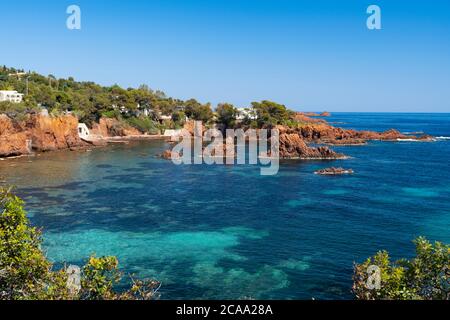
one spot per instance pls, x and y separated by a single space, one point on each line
310 139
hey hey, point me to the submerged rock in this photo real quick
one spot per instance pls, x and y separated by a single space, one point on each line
169 155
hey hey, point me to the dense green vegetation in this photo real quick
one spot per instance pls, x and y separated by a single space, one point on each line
271 114
425 277
226 114
90 101
143 108
25 272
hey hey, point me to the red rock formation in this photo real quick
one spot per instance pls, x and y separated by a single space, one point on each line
334 171
109 127
169 155
326 133
346 142
53 133
12 141
306 118
38 133
292 146
314 114
14 145
193 129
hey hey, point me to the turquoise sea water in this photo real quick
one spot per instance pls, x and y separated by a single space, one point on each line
227 232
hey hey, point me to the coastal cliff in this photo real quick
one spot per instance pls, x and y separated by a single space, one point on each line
38 133
41 133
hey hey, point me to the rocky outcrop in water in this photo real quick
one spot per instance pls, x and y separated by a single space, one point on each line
314 114
334 171
325 133
169 155
292 146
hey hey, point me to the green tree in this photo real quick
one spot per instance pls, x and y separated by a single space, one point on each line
100 275
425 277
178 117
144 124
271 113
226 114
197 111
25 273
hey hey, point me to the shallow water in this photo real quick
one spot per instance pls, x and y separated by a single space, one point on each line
226 231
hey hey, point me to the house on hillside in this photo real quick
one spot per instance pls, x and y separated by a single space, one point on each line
246 113
83 131
11 96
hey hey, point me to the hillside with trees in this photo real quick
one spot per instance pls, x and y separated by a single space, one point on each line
142 107
90 101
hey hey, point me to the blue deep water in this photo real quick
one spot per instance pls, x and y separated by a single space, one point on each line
226 232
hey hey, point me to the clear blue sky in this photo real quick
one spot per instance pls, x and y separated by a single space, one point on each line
310 55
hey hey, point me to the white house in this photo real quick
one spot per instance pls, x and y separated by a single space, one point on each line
83 131
163 117
174 135
11 96
246 113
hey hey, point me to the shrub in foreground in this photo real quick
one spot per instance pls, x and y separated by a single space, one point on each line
26 274
425 277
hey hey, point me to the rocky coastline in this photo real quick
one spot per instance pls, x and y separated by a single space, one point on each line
38 133
43 133
312 138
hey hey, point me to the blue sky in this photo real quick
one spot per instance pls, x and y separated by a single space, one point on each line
310 55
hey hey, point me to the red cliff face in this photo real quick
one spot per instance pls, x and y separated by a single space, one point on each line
39 133
13 141
53 133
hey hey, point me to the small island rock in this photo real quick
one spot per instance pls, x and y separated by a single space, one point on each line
334 171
